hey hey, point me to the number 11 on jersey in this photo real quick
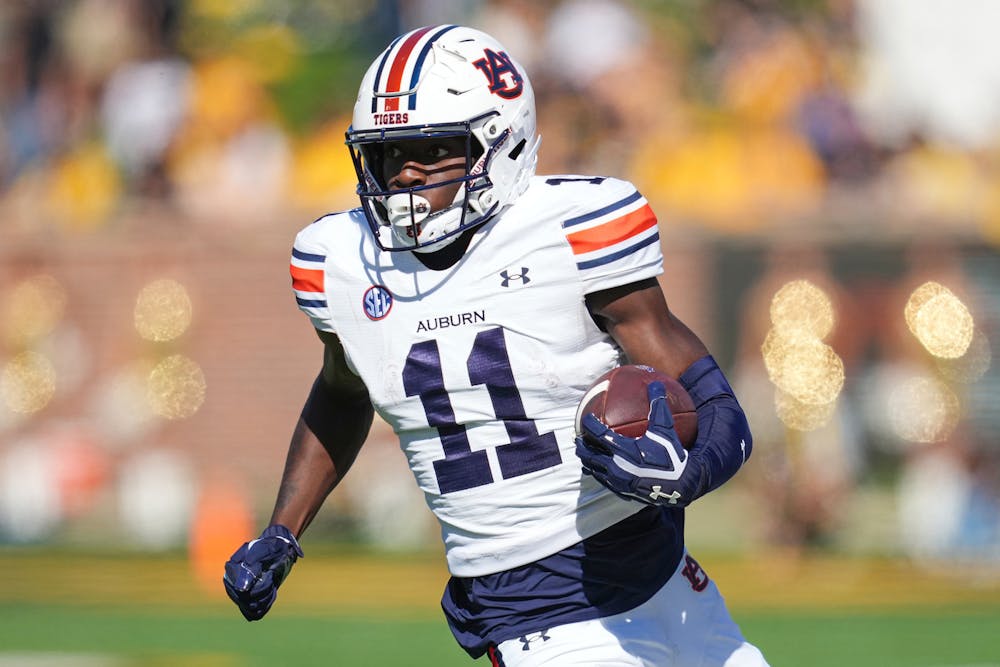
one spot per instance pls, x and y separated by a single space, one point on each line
488 364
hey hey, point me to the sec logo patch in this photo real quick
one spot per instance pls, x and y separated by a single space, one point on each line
377 302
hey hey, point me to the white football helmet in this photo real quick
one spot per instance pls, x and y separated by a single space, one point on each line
443 81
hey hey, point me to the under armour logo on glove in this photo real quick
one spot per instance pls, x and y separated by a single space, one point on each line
654 469
658 493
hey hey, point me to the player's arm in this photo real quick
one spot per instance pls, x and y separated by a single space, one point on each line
638 318
331 429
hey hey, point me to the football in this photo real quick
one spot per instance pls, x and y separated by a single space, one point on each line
619 399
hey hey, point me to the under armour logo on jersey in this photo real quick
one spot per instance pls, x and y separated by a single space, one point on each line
508 277
377 302
504 78
533 637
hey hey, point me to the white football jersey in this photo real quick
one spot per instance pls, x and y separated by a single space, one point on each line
479 367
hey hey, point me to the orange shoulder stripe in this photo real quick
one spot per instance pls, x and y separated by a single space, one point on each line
307 280
613 231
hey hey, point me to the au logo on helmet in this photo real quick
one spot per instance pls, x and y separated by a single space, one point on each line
504 78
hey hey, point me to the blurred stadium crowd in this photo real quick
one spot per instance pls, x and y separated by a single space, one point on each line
826 172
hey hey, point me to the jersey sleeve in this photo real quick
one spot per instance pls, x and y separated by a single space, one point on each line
308 270
614 236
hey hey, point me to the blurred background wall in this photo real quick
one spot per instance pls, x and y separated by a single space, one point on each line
826 174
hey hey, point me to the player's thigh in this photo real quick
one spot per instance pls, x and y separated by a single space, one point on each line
586 643
694 623
690 635
685 623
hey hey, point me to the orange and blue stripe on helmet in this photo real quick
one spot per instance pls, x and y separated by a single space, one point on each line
388 84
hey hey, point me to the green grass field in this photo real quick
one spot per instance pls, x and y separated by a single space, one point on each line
62 609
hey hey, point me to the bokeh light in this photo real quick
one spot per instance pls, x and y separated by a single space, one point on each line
800 308
176 388
808 369
28 383
800 416
32 310
919 297
807 373
972 365
923 409
162 311
939 320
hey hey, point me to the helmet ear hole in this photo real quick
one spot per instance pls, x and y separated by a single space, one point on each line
516 151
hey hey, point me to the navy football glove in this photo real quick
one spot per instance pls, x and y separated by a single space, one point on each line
654 469
258 567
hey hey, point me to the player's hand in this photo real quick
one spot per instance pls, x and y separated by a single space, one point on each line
255 571
654 469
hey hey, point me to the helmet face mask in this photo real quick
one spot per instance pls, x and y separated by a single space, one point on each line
405 212
462 84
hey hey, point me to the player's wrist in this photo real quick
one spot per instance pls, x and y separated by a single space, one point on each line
283 533
704 380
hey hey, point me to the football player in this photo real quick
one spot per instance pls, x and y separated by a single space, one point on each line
471 303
